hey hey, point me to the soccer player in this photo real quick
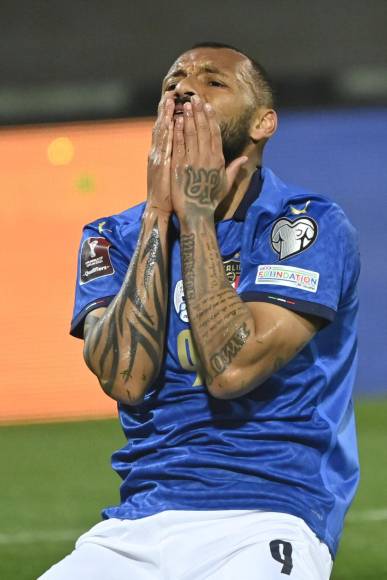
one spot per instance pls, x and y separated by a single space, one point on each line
221 316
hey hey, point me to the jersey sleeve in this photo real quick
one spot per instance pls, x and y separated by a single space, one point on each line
306 262
102 267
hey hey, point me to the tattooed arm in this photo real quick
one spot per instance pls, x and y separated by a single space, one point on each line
124 343
239 345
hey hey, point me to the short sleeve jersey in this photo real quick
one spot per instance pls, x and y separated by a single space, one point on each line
290 444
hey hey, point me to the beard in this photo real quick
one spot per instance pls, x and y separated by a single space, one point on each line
235 135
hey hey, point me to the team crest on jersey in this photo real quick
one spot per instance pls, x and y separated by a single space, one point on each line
291 237
95 259
232 269
179 302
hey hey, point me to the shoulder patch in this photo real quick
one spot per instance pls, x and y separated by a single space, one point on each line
278 275
95 259
291 237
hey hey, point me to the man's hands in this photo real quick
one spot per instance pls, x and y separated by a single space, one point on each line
199 180
186 169
159 160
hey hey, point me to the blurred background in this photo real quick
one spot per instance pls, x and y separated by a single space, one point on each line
79 86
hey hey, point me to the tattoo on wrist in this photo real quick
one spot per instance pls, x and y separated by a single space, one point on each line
202 185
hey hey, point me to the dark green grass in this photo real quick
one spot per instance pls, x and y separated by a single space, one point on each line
55 478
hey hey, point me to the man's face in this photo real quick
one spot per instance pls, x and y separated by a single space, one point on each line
221 77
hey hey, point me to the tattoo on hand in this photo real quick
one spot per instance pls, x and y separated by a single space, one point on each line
202 185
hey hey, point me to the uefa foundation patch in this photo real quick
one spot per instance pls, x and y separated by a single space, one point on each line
290 276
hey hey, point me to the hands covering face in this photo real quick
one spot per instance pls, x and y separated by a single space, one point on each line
186 168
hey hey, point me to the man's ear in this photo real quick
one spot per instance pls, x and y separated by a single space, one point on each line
264 125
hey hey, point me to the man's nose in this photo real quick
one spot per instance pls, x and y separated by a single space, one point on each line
185 88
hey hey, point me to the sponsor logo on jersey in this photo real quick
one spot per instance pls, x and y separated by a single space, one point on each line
289 238
287 276
95 259
232 269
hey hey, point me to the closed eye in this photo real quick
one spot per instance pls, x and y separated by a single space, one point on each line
216 84
212 83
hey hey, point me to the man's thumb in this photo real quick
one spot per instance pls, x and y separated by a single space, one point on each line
233 169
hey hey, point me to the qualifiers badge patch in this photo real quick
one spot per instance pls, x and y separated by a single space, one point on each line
289 238
232 269
95 259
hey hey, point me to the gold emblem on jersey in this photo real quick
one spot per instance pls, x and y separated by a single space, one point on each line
296 211
101 228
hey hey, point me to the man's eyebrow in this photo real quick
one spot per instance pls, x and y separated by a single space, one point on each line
205 68
177 73
213 70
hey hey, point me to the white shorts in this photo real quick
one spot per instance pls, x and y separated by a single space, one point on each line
198 545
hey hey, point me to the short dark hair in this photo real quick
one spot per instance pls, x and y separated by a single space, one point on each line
262 82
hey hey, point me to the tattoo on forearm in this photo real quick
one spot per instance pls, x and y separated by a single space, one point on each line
152 253
202 185
188 256
221 360
91 321
217 314
143 322
136 338
214 313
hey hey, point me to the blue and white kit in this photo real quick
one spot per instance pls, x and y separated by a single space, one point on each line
287 446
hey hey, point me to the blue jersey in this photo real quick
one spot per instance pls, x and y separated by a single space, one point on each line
290 444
